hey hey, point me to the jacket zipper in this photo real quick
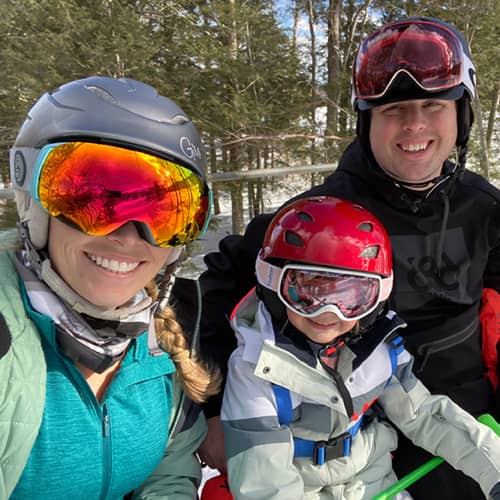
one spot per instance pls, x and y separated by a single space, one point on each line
429 348
346 397
106 445
103 415
344 393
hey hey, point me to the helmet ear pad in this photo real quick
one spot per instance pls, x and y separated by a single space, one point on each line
465 119
363 129
36 218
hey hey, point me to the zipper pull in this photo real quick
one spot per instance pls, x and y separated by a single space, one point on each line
105 421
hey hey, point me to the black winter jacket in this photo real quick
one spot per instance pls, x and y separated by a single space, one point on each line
446 248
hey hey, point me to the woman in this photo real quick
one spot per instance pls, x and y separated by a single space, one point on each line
96 373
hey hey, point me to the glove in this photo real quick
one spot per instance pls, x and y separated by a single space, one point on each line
495 492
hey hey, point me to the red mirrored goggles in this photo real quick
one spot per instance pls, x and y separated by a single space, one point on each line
99 187
429 52
312 290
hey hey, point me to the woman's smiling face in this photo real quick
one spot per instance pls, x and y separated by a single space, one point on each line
105 270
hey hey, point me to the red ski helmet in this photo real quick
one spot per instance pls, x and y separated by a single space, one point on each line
326 236
331 232
325 254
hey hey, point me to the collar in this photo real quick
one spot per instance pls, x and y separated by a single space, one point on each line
97 343
358 163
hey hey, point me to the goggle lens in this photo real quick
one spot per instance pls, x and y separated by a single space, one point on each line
429 52
99 187
312 292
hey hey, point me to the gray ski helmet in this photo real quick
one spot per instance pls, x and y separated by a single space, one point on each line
121 112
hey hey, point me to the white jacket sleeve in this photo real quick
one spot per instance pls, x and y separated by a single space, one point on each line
437 424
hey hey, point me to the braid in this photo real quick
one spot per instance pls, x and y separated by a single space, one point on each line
198 381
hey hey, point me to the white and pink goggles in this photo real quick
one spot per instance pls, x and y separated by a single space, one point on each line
312 290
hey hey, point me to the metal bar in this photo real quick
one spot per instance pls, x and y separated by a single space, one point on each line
8 193
270 172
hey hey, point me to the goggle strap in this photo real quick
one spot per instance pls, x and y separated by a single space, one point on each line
468 75
386 287
267 274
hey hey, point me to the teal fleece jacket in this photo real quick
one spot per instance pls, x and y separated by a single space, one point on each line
86 449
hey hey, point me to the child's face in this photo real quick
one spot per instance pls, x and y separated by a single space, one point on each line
322 329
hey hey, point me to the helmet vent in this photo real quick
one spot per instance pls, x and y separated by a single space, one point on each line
293 239
370 252
100 92
366 227
180 120
303 216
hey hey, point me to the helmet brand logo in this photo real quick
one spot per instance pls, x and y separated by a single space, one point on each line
190 150
19 168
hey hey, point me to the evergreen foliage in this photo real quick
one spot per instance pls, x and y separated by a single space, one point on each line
241 69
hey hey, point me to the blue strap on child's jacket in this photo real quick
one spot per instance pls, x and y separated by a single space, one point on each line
319 451
339 446
396 344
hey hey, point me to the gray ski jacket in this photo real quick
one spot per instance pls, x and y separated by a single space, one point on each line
260 449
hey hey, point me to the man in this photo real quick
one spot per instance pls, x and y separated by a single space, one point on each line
413 82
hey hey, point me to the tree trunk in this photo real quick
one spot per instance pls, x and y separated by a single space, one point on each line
334 66
314 97
212 162
235 148
483 155
492 115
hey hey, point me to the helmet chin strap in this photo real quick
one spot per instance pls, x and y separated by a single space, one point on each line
40 263
411 185
81 305
414 185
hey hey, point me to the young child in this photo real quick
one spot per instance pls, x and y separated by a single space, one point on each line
317 347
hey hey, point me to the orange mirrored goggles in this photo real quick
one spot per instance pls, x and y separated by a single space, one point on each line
99 187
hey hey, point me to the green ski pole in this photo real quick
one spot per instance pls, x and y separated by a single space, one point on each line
424 469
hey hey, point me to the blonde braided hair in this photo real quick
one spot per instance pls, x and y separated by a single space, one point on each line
199 381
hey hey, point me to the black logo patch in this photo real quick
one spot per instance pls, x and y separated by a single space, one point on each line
19 168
